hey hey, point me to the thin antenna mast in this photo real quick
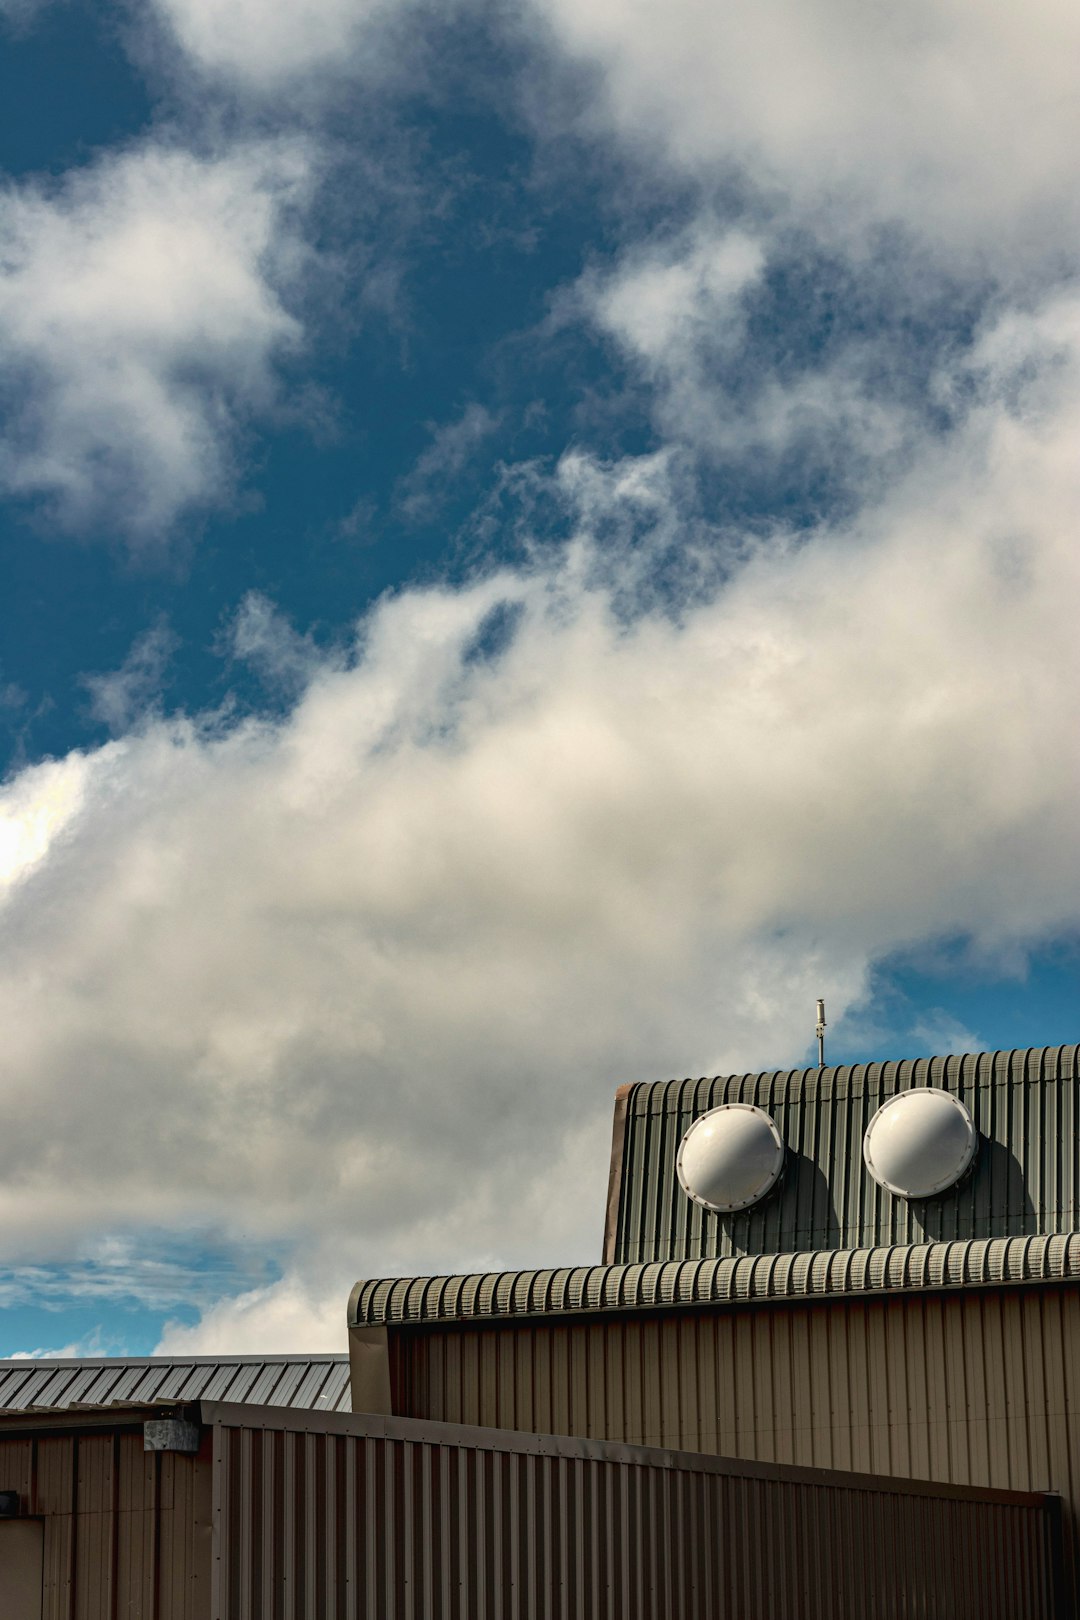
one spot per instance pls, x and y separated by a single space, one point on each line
820 1034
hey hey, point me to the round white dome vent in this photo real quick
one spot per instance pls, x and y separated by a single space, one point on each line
730 1157
919 1142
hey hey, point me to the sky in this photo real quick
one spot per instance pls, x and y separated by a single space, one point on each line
536 540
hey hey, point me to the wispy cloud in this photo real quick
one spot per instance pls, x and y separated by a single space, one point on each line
121 697
938 1031
262 637
454 444
154 1270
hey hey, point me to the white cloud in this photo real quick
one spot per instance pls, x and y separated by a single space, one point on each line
939 1031
360 982
121 697
957 118
261 46
290 1315
453 446
666 300
34 811
141 314
263 638
65 1352
677 308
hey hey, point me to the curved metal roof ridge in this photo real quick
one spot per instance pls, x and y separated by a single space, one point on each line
898 1268
1029 1064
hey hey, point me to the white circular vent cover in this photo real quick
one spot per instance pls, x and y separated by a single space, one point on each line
730 1157
919 1142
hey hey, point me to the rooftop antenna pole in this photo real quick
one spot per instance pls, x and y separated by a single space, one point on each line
820 1034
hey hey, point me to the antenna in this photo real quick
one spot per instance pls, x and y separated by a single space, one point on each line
820 1034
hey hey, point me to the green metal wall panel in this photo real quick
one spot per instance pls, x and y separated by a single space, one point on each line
1026 1177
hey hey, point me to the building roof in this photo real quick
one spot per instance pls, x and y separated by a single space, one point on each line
911 1268
1025 1179
307 1383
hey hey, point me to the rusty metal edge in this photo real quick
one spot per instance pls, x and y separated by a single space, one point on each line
615 1173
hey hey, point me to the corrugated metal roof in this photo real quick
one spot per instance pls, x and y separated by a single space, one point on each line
911 1268
298 1382
1026 1178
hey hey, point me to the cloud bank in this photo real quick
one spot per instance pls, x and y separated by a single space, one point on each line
361 980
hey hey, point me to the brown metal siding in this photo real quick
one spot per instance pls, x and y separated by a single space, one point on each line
978 1388
1025 1104
127 1534
368 1526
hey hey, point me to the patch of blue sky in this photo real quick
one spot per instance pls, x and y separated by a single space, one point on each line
476 229
949 997
317 524
67 87
119 1301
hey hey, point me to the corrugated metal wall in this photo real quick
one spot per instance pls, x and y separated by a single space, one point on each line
980 1388
127 1534
336 1518
1025 1104
334 1526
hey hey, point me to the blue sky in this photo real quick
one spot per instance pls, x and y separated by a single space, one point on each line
536 541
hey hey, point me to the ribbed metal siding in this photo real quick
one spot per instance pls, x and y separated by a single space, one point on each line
323 1526
306 1382
126 1533
912 1268
974 1388
1026 1106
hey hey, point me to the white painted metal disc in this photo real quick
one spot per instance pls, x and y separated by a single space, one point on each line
919 1142
730 1157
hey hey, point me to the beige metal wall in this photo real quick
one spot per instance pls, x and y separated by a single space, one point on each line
127 1533
324 1525
979 1387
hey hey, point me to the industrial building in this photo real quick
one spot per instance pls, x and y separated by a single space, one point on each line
829 1364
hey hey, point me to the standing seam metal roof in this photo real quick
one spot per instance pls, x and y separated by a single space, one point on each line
896 1269
306 1383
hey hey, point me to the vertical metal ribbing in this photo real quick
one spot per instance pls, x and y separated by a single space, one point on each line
486 1527
1027 1177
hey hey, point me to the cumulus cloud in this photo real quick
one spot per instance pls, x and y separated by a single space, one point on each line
142 310
292 1315
666 300
260 46
955 119
359 981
